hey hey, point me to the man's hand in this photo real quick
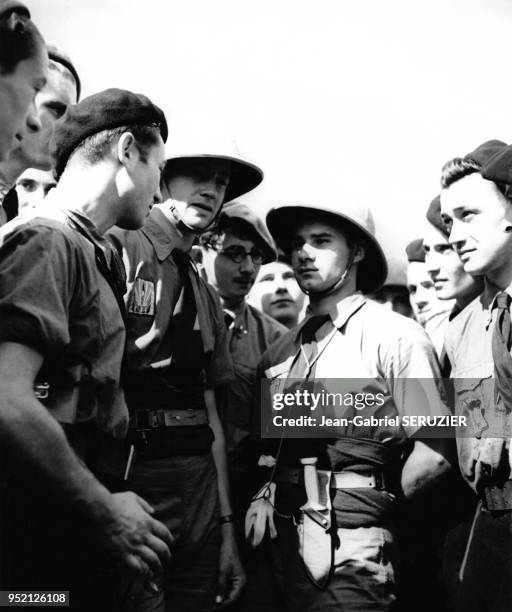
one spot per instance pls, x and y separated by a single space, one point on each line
136 539
231 573
261 513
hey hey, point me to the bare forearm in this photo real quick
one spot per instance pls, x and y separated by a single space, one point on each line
425 467
219 454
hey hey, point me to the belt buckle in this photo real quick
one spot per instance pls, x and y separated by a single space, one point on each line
170 419
41 390
379 480
157 418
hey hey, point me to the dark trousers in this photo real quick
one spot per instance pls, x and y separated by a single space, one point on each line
46 546
487 580
183 491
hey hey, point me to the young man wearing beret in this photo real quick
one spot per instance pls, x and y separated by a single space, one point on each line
62 339
430 312
334 543
62 89
451 281
177 358
476 204
23 72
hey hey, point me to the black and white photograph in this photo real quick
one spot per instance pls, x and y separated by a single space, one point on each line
255 295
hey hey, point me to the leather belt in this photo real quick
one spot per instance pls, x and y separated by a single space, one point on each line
167 417
345 479
498 497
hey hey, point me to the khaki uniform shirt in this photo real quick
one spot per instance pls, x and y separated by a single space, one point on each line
469 348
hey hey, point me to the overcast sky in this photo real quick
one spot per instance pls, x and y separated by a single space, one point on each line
334 99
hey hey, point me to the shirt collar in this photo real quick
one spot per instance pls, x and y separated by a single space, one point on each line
489 296
81 219
158 228
341 312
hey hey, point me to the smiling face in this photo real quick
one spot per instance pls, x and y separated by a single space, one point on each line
479 216
443 264
197 187
277 293
18 90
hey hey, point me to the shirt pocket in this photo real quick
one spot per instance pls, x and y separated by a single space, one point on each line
474 391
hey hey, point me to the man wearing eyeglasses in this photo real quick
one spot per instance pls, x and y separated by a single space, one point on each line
232 255
177 358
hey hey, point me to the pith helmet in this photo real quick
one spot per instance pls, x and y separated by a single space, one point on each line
372 270
194 138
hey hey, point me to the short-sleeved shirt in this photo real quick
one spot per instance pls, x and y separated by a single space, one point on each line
155 284
250 333
381 351
469 348
54 299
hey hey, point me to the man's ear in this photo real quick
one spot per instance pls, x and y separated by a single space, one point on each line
127 152
360 253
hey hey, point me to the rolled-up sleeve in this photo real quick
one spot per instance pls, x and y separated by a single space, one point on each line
35 288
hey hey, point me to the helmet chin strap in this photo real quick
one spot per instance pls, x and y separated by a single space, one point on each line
337 284
185 227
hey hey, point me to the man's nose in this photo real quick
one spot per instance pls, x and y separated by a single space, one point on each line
33 122
247 265
431 263
306 252
457 236
157 198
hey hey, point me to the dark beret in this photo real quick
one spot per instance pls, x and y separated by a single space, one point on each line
59 57
485 152
102 111
12 6
415 251
499 167
434 216
239 210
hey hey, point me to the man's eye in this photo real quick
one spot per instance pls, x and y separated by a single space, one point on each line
28 185
467 215
296 244
320 241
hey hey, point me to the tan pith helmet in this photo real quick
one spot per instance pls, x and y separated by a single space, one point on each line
195 137
372 270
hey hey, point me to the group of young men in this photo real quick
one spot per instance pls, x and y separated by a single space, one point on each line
147 315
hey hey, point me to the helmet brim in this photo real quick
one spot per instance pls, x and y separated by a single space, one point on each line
245 176
372 270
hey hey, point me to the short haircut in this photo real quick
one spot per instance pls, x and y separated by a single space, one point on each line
459 167
95 148
19 40
238 227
